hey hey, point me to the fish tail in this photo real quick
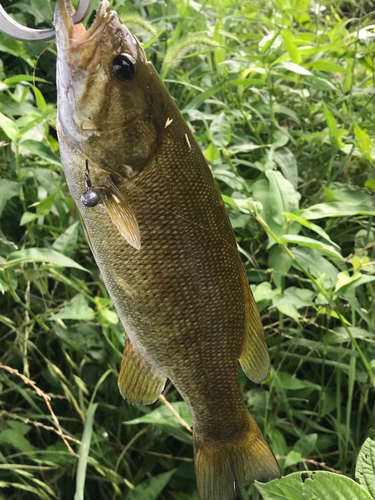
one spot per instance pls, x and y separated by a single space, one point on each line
224 467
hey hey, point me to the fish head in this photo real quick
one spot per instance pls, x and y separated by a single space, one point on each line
105 91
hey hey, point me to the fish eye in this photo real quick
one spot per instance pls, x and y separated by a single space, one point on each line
124 67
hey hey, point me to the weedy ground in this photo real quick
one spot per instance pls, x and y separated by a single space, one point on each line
279 95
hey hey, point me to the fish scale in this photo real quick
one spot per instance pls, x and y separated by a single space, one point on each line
165 247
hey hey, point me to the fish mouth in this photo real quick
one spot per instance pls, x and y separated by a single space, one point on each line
81 44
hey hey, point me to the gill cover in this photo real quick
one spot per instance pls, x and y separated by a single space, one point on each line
105 114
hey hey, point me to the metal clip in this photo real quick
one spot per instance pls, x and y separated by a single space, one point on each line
10 27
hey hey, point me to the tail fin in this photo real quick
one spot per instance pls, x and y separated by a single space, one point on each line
222 468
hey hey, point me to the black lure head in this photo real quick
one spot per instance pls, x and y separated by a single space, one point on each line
89 198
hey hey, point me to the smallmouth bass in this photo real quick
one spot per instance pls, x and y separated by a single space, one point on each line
160 234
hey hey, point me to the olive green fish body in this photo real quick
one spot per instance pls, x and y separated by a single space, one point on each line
168 256
181 297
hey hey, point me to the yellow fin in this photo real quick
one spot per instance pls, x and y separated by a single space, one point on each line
254 359
121 214
138 382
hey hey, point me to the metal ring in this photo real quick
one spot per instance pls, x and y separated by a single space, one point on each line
10 27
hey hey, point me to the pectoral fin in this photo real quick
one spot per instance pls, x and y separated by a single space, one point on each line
254 359
138 382
121 214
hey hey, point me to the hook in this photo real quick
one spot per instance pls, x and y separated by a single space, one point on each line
10 27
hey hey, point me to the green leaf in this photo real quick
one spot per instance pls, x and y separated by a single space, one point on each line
344 279
10 129
332 124
279 139
292 48
295 68
309 242
16 436
150 488
288 310
8 280
306 444
66 242
279 262
362 280
363 142
44 207
326 66
316 264
289 382
263 291
339 335
84 453
292 458
298 297
285 159
77 309
337 209
8 189
14 47
308 485
13 80
41 150
28 217
220 131
314 227
164 416
283 195
47 255
212 153
365 468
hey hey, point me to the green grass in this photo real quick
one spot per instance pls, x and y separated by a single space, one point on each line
280 98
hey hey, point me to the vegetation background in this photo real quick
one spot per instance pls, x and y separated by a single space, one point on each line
279 95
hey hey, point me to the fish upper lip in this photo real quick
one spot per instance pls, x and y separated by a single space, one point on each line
77 34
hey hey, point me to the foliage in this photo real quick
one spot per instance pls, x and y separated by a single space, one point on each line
279 95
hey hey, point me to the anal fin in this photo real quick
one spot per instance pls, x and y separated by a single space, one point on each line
254 359
138 382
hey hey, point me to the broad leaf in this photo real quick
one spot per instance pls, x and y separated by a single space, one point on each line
41 150
287 162
283 195
295 68
220 131
365 469
66 242
289 382
317 264
308 485
163 415
309 242
8 189
312 226
344 279
337 209
151 488
10 129
77 309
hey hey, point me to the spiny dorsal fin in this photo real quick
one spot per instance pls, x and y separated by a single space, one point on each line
121 214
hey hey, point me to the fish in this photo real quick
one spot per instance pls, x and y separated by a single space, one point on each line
162 239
